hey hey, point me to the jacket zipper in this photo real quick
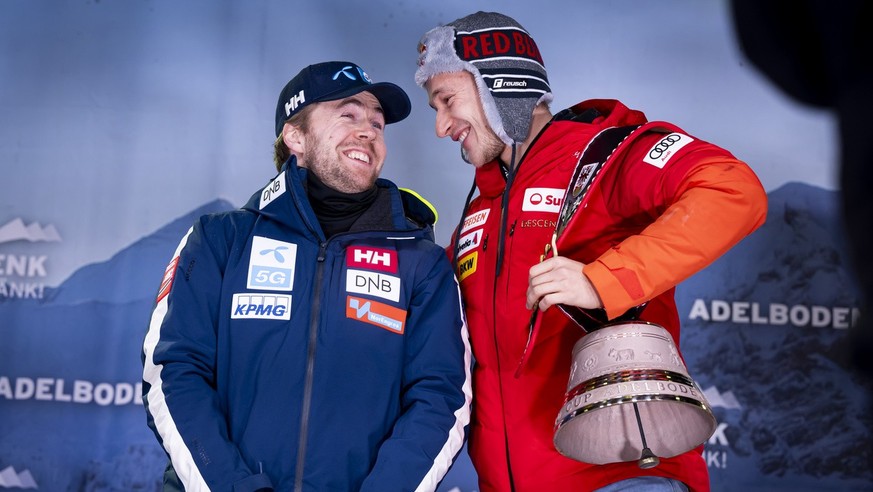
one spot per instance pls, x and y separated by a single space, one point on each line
310 369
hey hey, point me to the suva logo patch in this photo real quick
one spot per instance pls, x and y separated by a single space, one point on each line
271 264
376 313
542 200
261 306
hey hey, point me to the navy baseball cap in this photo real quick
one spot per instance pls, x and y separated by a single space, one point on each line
334 80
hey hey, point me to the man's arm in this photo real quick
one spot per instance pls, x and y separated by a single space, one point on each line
179 375
710 209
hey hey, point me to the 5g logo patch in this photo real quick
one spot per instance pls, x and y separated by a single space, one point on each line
271 264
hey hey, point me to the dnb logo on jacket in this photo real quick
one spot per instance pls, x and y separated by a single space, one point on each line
271 264
373 271
361 279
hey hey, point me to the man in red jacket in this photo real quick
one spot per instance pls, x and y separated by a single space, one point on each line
664 205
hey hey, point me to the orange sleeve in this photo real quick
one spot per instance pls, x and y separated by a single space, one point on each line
718 203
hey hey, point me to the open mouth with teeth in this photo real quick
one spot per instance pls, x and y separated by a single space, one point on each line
358 156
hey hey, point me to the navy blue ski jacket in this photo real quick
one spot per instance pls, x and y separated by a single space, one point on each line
278 359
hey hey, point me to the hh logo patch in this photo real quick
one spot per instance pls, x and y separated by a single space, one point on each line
474 220
374 284
272 190
469 241
376 313
271 264
167 281
666 148
261 306
372 258
467 265
542 200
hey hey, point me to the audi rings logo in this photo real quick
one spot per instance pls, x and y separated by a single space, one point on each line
666 148
665 143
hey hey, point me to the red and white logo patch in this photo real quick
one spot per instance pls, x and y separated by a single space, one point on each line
167 281
381 259
474 220
543 200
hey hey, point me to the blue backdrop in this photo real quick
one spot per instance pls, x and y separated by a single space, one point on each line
124 120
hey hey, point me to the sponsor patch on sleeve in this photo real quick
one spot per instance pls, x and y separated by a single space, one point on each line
375 313
661 152
271 264
261 306
167 281
372 258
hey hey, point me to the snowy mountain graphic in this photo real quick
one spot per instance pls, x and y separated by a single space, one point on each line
135 272
805 409
9 479
16 230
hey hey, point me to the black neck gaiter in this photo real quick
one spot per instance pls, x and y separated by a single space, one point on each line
336 211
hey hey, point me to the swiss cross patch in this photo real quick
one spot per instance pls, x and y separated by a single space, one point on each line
381 259
167 281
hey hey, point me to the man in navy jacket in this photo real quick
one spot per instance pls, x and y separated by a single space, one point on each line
313 339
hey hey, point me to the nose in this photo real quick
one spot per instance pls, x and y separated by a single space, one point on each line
366 131
443 124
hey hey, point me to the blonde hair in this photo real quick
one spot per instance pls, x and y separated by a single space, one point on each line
281 152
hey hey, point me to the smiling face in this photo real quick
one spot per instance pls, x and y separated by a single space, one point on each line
344 144
459 115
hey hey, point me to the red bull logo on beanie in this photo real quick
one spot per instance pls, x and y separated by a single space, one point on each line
492 43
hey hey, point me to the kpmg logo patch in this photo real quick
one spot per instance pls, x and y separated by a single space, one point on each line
372 258
542 200
261 306
271 264
376 313
273 190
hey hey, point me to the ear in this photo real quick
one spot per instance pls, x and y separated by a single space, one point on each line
293 138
